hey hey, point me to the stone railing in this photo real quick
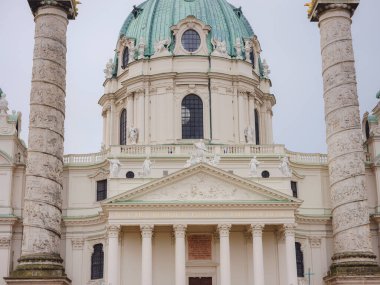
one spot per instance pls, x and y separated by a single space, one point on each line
85 159
185 151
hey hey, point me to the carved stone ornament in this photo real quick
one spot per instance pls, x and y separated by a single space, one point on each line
109 69
253 166
238 47
201 154
77 243
220 48
147 167
130 44
315 242
248 45
114 167
161 48
257 230
266 70
5 241
285 167
289 229
113 231
224 230
133 135
146 231
179 230
141 48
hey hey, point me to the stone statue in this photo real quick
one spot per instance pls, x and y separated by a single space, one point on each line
133 135
161 48
109 69
141 48
114 167
3 103
248 48
214 161
253 165
201 150
249 134
220 48
266 69
200 155
238 48
146 167
285 167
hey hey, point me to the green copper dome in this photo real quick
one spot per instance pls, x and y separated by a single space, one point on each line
152 20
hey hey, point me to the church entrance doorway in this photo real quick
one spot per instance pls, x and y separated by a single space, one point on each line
200 280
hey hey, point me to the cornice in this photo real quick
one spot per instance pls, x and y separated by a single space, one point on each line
85 220
308 219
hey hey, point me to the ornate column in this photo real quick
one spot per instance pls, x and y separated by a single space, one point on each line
113 256
291 263
146 260
40 256
258 256
180 254
77 262
225 268
352 242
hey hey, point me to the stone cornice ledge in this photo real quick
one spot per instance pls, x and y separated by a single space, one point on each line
308 219
85 220
316 7
9 220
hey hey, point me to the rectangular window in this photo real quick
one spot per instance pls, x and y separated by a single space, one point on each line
293 185
101 190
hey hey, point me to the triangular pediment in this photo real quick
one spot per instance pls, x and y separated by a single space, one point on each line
202 183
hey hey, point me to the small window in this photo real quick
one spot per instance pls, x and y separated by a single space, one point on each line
257 127
101 190
123 127
191 41
125 57
192 117
252 58
299 258
367 130
265 174
97 262
130 175
293 185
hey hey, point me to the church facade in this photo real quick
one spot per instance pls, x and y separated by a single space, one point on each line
188 187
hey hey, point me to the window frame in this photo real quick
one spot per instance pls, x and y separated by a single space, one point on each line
98 191
198 40
124 56
294 188
123 127
299 260
194 128
97 262
257 127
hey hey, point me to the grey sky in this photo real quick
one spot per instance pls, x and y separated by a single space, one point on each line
289 42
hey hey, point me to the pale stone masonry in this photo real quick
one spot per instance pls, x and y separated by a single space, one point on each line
350 216
40 255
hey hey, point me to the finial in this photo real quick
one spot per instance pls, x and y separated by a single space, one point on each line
311 6
377 94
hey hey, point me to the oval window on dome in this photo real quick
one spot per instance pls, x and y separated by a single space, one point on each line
191 41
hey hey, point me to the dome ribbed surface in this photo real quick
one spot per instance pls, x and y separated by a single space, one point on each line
157 16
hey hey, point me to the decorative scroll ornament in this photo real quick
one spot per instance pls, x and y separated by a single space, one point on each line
285 167
161 48
133 135
109 69
253 165
220 48
238 48
114 167
201 154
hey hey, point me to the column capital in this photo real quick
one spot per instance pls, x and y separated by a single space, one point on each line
146 231
318 7
5 241
69 6
257 229
315 241
289 229
179 230
113 231
224 230
77 243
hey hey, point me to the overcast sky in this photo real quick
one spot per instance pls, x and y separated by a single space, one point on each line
289 42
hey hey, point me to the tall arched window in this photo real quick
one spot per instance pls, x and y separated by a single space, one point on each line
299 258
192 117
97 262
367 130
123 127
125 57
252 57
257 127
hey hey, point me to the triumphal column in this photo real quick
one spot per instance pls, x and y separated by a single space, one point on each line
353 255
40 261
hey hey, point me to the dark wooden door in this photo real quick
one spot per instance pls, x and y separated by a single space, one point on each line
200 280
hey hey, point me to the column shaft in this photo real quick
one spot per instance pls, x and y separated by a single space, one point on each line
113 259
77 264
291 262
180 257
146 259
258 256
225 267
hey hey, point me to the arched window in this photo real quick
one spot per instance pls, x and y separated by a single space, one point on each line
192 117
97 262
257 127
367 130
125 57
123 127
252 57
299 258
